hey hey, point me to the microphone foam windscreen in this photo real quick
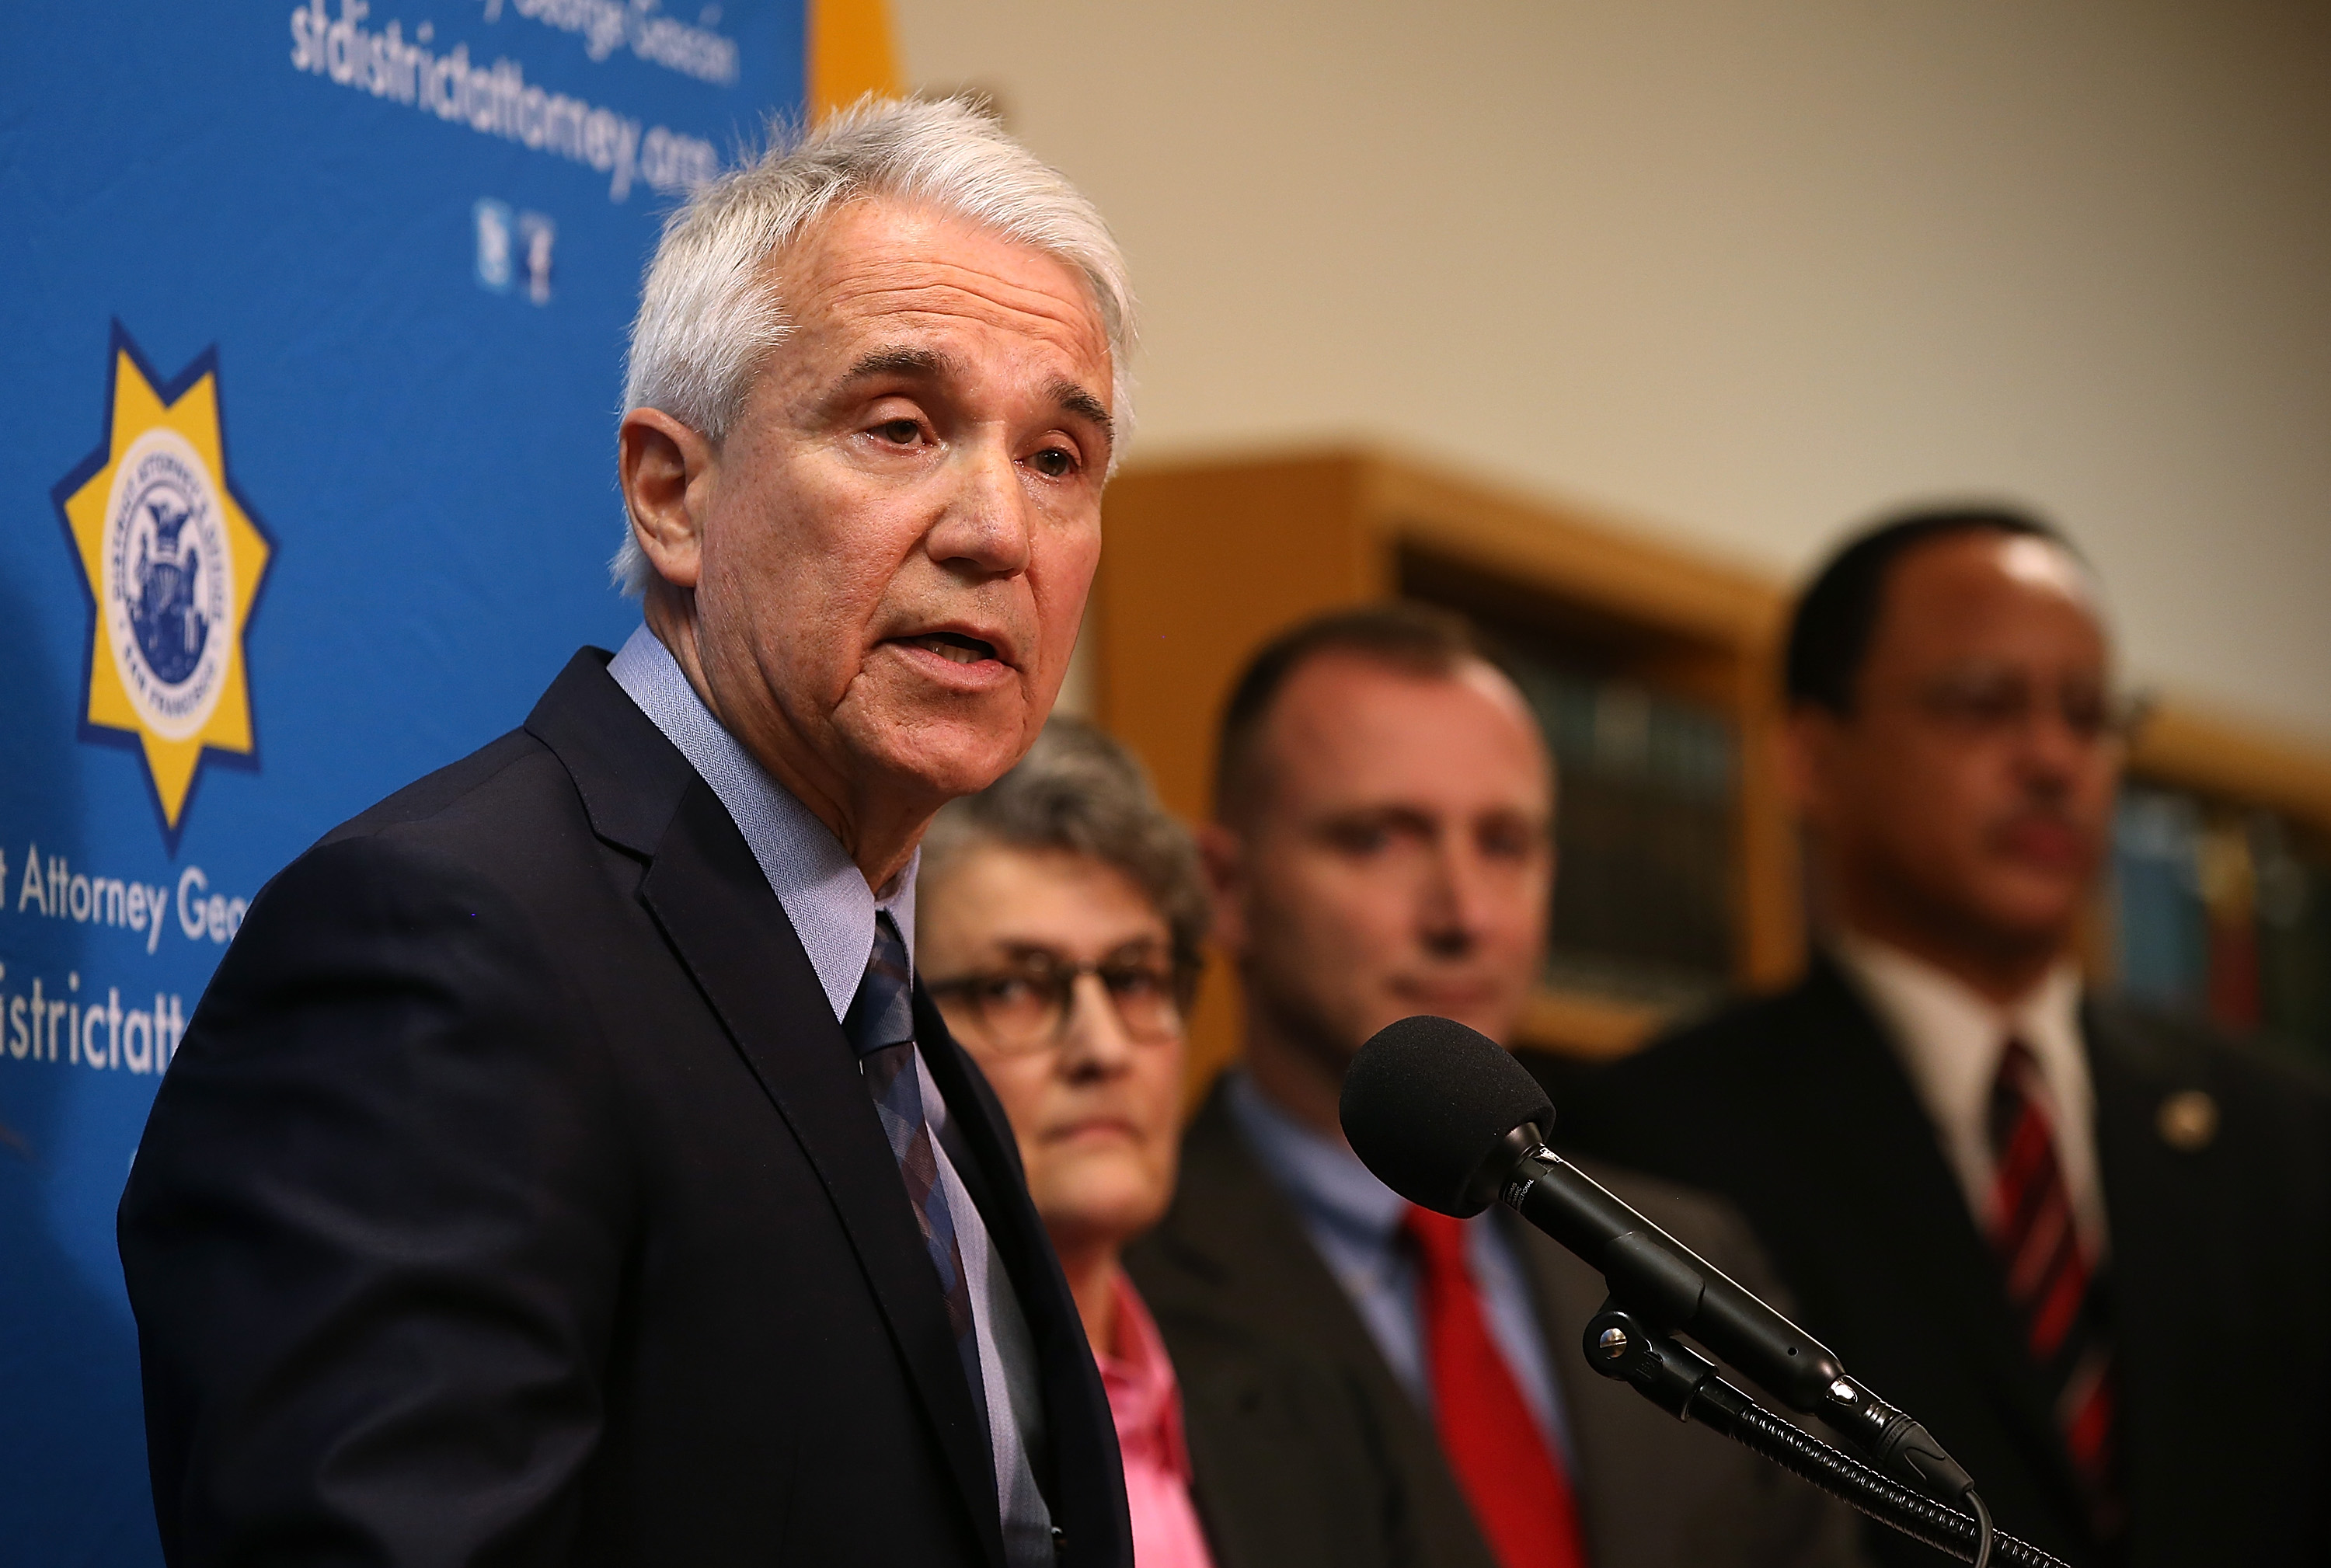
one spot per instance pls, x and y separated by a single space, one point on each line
1426 1100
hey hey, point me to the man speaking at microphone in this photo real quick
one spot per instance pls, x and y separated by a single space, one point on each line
2090 1249
564 1167
1382 847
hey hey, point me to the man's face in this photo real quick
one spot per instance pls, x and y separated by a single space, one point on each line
1967 799
1396 857
897 537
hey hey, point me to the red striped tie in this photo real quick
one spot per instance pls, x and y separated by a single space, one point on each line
1519 1495
2051 1279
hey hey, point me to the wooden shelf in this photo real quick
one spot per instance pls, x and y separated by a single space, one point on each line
1206 558
2191 747
1588 1026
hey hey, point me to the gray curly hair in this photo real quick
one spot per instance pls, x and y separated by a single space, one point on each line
1079 790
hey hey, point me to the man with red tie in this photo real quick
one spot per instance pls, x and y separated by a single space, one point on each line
1381 847
2037 1220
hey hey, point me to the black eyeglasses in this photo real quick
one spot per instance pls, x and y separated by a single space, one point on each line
1986 702
1025 1007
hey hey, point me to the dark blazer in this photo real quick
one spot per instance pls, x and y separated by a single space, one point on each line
514 1198
2219 1274
1238 1291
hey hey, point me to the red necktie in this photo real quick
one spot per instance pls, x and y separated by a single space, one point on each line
2050 1279
1519 1495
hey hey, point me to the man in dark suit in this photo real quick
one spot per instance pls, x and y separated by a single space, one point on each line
2039 1222
1382 849
563 1167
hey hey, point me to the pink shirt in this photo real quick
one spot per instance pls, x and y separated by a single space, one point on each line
1146 1404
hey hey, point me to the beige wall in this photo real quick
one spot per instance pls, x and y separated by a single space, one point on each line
1749 271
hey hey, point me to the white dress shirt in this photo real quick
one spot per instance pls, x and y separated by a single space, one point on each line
1948 1038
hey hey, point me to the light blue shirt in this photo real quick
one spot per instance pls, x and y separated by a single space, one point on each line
825 897
823 890
1354 1223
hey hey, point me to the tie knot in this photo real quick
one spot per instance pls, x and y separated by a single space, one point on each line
2017 1091
1439 1239
882 1013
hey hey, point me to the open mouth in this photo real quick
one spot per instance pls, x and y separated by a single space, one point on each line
951 646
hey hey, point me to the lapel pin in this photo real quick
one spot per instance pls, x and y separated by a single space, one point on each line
2188 1120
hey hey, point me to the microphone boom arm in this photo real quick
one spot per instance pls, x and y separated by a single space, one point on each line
1672 1289
1688 1387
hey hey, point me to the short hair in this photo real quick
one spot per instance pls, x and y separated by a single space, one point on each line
710 318
1836 617
1079 792
1421 640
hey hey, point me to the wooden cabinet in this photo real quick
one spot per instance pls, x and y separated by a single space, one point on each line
2219 902
1204 559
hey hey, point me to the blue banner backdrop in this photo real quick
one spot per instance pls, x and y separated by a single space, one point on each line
313 337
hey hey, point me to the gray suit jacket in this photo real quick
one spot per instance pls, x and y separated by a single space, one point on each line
1246 1304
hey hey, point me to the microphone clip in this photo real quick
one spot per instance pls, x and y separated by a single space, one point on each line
1621 1346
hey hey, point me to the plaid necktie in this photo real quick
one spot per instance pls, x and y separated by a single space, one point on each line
2051 1279
1514 1483
880 1025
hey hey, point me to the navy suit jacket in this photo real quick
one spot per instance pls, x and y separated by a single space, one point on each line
1797 1109
514 1198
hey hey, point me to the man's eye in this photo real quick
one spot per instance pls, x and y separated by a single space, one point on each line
2086 714
1359 838
900 432
1054 463
1509 844
1992 706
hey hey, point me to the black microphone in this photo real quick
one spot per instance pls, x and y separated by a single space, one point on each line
1447 1118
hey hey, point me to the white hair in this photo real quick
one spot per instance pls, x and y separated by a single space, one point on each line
709 317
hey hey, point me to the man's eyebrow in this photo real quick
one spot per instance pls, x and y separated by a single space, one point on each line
1384 814
926 362
1076 400
930 364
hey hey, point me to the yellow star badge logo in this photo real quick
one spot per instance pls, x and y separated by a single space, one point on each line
172 558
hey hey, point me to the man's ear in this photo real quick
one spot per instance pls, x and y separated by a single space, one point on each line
1223 854
666 469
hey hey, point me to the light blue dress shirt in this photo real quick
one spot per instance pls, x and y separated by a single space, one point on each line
825 897
1354 1223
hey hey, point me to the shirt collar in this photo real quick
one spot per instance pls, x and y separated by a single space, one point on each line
1950 1036
1323 1175
823 893
1145 1402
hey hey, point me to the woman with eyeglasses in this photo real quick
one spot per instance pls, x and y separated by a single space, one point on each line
1058 921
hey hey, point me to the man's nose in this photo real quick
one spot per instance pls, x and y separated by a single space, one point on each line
2053 747
982 527
1450 912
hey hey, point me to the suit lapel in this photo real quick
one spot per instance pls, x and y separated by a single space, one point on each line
1929 1274
2167 1210
1081 1456
630 778
716 908
1564 1295
710 896
1231 1227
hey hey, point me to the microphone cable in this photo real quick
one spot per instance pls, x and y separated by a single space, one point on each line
1688 1387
